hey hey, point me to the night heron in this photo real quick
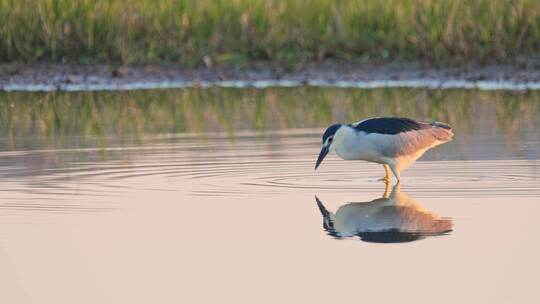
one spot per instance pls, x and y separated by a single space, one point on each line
395 217
396 143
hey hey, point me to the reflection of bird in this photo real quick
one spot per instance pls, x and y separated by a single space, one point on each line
395 143
392 218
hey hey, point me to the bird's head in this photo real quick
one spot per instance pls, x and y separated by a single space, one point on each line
328 142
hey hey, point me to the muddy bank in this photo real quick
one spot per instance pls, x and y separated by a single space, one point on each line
47 77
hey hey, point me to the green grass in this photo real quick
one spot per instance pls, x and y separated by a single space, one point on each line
192 32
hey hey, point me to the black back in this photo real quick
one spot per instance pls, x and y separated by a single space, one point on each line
390 125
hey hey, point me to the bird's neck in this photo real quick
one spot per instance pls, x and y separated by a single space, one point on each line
346 142
345 135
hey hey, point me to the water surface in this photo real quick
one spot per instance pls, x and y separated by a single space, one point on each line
209 195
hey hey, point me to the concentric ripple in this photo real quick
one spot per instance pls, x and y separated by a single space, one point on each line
275 165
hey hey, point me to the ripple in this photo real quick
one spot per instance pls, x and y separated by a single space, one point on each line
455 180
247 167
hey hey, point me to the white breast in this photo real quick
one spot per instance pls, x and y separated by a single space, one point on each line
353 145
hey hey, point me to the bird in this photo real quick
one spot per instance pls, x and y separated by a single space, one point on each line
393 218
394 142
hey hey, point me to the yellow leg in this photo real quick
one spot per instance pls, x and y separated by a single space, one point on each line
386 189
388 174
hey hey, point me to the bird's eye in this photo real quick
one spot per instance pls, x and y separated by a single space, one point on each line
330 140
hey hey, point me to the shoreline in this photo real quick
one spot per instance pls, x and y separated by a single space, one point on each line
66 77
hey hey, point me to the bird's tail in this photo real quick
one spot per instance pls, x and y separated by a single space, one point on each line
442 131
439 124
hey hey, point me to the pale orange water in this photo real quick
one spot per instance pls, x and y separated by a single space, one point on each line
211 217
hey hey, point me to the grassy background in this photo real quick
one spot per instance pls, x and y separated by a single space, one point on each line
89 119
285 32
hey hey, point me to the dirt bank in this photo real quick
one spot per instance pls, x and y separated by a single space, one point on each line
58 76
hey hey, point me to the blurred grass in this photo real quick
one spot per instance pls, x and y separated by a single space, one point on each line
285 32
89 119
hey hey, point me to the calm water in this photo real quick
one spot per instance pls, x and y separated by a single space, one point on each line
209 196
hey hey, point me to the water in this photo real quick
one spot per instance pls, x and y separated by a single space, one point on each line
209 195
115 85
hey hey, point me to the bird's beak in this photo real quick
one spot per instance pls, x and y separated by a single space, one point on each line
323 153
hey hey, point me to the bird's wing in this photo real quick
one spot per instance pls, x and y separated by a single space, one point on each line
389 125
411 142
403 136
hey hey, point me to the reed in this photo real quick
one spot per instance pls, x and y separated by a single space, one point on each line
284 32
87 119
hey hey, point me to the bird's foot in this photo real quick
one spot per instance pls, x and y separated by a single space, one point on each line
385 179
